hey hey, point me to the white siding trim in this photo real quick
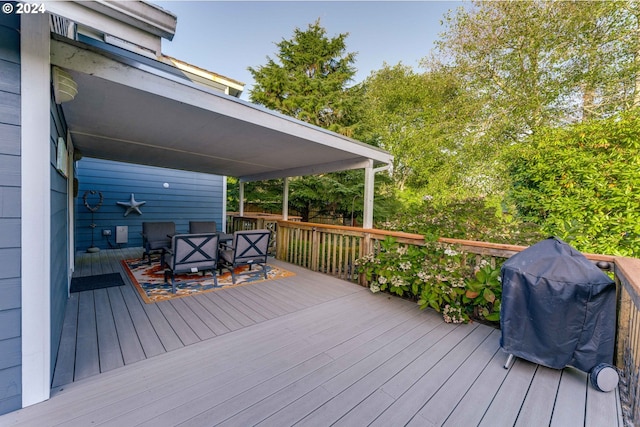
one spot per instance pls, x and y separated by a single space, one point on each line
36 209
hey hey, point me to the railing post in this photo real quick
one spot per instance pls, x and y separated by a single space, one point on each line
280 242
622 323
315 249
365 249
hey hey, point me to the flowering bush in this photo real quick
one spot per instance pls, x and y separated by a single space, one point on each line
435 275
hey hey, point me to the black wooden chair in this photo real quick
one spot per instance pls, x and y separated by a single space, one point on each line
249 247
192 253
156 236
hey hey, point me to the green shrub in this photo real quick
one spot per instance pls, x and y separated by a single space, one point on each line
435 275
477 219
581 183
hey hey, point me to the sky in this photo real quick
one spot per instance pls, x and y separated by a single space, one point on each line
227 37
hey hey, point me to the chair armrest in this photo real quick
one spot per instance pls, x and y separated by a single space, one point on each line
226 245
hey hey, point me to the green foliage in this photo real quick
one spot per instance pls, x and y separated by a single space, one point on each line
581 183
310 79
419 118
541 63
478 219
484 293
336 194
435 275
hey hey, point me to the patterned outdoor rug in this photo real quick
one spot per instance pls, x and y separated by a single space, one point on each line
149 280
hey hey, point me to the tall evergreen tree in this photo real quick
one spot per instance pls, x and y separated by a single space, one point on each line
309 79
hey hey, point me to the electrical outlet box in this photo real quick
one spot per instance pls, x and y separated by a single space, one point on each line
122 234
106 232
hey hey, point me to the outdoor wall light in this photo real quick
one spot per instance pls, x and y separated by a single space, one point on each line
165 185
64 88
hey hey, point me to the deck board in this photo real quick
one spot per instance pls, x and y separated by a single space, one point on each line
538 405
569 406
165 333
108 343
145 332
505 406
242 307
438 408
307 349
213 303
480 394
129 341
196 324
87 362
182 328
65 364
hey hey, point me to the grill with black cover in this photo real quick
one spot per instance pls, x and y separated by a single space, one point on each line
558 309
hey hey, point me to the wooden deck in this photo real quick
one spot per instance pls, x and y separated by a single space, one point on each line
304 350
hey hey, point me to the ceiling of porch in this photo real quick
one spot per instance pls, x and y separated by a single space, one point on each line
129 111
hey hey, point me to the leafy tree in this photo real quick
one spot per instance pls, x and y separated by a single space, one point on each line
539 67
580 183
544 63
422 120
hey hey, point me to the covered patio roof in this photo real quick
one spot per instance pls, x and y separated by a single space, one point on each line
133 109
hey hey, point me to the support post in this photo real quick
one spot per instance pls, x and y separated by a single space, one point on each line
285 200
369 179
224 204
241 197
36 208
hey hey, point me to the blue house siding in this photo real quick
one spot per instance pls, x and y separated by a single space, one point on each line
10 254
59 235
190 196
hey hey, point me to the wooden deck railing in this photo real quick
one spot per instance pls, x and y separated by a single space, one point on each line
333 250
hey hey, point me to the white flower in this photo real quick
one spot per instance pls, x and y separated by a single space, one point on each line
450 252
424 275
404 266
452 314
374 288
382 280
397 281
402 250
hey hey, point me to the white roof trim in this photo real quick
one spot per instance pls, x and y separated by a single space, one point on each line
138 76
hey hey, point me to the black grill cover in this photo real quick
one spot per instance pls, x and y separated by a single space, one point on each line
558 309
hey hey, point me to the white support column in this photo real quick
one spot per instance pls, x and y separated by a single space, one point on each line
224 204
36 208
285 200
241 198
369 179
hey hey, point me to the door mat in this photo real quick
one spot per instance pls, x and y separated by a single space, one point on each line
149 280
90 283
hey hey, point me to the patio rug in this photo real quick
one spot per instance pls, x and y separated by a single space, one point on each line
149 280
99 281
